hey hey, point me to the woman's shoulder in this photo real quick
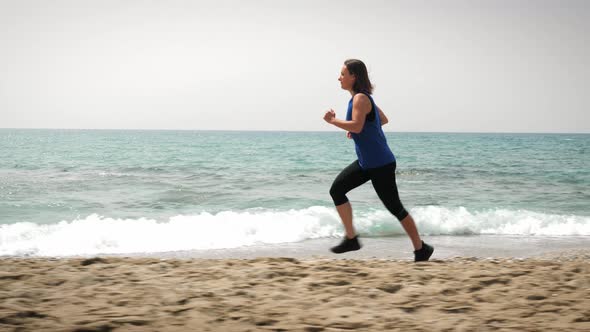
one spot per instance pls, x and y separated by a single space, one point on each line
362 97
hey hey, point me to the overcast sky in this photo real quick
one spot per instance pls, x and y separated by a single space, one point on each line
450 66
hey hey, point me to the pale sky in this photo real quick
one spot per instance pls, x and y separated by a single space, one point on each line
443 66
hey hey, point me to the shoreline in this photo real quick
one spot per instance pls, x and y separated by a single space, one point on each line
393 248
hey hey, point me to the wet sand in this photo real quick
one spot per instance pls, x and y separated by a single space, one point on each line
289 294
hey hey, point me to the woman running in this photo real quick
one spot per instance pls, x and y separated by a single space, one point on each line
375 161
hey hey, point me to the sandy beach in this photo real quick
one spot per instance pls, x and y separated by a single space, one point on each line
288 294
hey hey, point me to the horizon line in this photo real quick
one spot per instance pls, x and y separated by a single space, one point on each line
299 131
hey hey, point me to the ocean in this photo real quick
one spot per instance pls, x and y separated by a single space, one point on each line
90 192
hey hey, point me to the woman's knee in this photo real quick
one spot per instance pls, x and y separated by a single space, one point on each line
395 207
338 194
398 211
401 214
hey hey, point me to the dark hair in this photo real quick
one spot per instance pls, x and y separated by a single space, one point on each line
359 70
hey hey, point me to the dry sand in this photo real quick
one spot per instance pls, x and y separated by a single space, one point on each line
286 294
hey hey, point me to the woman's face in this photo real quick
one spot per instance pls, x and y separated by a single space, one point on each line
346 79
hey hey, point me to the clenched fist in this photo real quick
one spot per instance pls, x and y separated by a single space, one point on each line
329 116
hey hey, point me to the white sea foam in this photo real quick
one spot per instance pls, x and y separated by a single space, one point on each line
97 234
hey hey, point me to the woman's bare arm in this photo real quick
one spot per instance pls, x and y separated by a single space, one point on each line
361 106
382 116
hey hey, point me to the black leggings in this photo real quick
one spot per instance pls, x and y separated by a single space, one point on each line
383 179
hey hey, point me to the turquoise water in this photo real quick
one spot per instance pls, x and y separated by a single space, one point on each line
452 183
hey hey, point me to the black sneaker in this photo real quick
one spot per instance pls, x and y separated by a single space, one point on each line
424 253
347 245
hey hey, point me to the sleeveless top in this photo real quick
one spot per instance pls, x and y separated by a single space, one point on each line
370 144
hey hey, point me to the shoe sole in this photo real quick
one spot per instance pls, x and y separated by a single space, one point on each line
342 252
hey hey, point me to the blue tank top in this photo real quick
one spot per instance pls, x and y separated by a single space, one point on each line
370 144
